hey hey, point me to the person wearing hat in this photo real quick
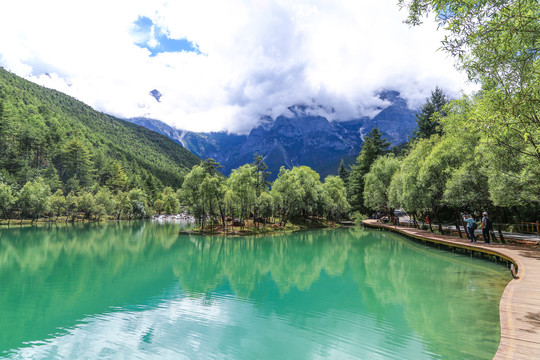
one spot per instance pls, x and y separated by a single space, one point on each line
486 227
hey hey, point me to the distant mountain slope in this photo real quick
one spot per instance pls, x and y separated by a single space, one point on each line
296 139
36 123
204 145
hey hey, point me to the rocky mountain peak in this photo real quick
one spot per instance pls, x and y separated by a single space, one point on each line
303 135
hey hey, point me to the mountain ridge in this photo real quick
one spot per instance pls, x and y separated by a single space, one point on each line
299 137
37 123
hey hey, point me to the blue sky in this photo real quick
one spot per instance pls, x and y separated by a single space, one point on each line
156 40
222 65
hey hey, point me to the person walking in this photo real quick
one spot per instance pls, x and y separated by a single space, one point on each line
486 227
471 226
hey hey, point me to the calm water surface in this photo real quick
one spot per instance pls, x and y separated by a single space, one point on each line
140 291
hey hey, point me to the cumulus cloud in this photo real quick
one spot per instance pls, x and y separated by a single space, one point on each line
253 57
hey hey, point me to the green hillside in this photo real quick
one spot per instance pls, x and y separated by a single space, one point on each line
47 134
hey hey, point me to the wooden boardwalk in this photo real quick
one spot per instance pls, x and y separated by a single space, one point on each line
519 308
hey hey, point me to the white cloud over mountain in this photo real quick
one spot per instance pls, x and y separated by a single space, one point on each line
253 57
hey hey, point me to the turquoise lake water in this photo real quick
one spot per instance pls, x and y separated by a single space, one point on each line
140 291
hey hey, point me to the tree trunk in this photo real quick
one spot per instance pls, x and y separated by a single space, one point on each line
456 213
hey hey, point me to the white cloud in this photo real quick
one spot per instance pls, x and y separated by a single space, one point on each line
258 56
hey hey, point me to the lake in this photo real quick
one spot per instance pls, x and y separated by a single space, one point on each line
138 290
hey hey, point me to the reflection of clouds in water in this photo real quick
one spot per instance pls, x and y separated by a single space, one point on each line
172 330
189 328
331 294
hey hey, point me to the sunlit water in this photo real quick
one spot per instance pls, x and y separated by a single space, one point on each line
140 290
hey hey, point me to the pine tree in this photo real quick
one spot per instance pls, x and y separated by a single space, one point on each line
343 172
426 122
211 166
77 163
374 146
261 175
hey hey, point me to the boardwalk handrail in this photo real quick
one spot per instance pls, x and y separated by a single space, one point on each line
532 225
449 242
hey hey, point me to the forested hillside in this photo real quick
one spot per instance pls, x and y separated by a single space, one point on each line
50 136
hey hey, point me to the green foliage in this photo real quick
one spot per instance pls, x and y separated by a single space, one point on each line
113 176
76 163
171 204
377 183
343 172
265 204
374 146
139 205
87 205
406 190
334 195
261 175
7 200
496 43
72 205
34 198
427 121
46 133
204 191
243 184
462 171
58 203
191 193
296 192
105 202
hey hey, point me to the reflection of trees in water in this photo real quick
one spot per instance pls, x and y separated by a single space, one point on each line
294 260
437 292
49 277
464 290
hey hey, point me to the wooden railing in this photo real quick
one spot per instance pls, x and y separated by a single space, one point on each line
530 227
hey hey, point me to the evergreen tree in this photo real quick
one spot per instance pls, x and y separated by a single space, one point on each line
261 175
374 146
427 121
113 176
77 162
495 42
343 172
211 166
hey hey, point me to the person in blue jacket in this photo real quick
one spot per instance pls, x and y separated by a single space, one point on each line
471 226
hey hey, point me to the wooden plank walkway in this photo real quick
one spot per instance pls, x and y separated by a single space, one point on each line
519 308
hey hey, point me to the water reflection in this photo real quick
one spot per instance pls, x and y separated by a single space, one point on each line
140 290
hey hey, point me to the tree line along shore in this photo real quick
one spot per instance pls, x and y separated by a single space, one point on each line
476 153
242 200
448 167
